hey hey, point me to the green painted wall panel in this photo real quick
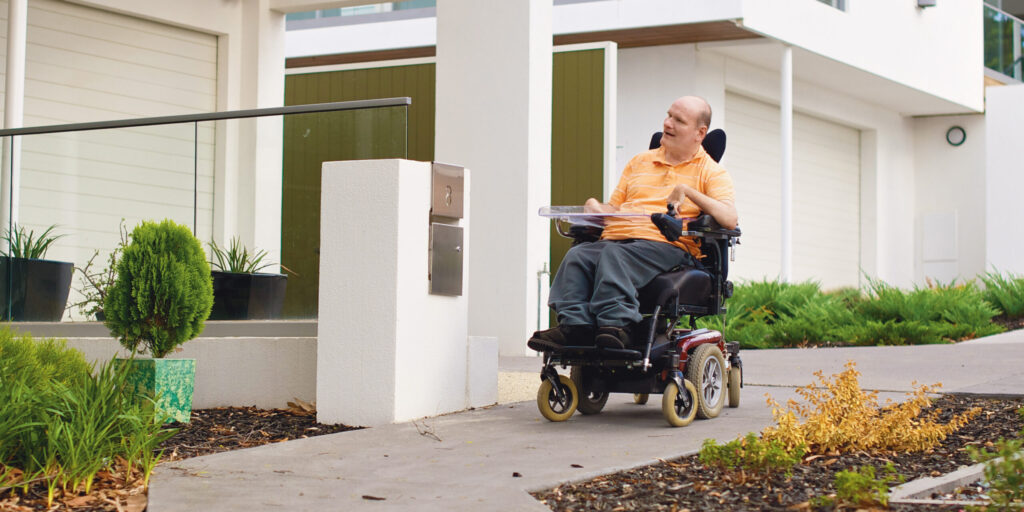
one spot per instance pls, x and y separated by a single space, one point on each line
576 156
311 139
577 135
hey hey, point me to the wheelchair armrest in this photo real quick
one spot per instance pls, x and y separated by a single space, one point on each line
707 224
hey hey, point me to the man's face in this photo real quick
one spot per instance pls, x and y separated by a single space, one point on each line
681 129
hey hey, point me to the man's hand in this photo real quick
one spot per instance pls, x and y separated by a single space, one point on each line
677 196
594 206
723 211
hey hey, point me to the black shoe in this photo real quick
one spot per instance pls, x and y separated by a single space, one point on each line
564 335
612 337
547 340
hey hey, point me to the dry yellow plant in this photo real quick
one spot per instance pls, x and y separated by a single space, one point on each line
841 417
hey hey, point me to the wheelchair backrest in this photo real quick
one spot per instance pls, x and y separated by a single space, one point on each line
714 143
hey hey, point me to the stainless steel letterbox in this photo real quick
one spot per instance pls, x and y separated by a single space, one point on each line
446 193
446 236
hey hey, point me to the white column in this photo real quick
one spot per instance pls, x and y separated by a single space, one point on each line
494 116
14 110
261 84
387 350
786 150
1004 231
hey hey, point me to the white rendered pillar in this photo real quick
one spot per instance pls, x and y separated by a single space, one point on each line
14 111
388 350
257 177
493 115
786 150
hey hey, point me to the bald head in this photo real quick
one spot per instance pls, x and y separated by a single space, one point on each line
685 126
699 107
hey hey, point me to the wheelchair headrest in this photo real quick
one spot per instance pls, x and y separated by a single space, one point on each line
714 143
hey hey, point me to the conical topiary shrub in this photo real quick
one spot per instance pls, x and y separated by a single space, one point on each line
161 299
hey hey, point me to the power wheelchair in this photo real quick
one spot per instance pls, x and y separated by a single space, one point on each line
694 370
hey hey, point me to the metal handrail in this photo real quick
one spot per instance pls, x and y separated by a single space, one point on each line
211 116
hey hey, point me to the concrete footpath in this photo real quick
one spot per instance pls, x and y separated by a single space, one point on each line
488 459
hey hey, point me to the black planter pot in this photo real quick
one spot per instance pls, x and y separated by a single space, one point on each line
33 290
247 296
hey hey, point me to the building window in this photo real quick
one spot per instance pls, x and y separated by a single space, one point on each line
362 9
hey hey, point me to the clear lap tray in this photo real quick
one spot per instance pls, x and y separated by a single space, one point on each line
578 216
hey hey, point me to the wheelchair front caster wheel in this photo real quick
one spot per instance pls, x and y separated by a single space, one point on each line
679 408
640 398
734 387
551 405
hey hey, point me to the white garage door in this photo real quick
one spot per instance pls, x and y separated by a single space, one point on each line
85 64
826 194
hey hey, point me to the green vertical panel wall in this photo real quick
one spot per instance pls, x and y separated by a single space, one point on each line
311 139
577 135
576 154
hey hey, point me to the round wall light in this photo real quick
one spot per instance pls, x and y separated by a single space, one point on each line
956 135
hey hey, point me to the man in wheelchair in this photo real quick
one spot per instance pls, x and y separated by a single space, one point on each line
595 289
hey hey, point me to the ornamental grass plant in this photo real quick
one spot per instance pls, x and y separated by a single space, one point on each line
64 422
1005 292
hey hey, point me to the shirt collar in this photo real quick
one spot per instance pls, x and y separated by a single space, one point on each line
659 156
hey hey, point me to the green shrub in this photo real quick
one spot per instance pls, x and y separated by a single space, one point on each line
861 488
750 454
768 314
60 424
163 292
1005 293
1004 471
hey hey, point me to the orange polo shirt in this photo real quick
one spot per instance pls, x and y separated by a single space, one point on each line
645 184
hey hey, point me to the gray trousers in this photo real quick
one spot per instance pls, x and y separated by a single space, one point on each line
597 282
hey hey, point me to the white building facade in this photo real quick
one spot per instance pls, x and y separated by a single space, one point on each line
863 94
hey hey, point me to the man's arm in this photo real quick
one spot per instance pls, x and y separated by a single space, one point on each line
723 211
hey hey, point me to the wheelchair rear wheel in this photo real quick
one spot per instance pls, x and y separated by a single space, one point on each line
734 387
590 402
679 408
706 369
549 404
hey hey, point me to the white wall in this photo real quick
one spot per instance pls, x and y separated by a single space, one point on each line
1004 180
250 74
949 199
235 371
937 50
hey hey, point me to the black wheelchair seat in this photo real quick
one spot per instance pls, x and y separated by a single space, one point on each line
688 286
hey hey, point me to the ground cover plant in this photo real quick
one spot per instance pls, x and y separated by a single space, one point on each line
71 432
835 473
1004 471
773 314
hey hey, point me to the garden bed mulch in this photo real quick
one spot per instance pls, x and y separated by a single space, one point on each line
232 428
210 431
686 484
